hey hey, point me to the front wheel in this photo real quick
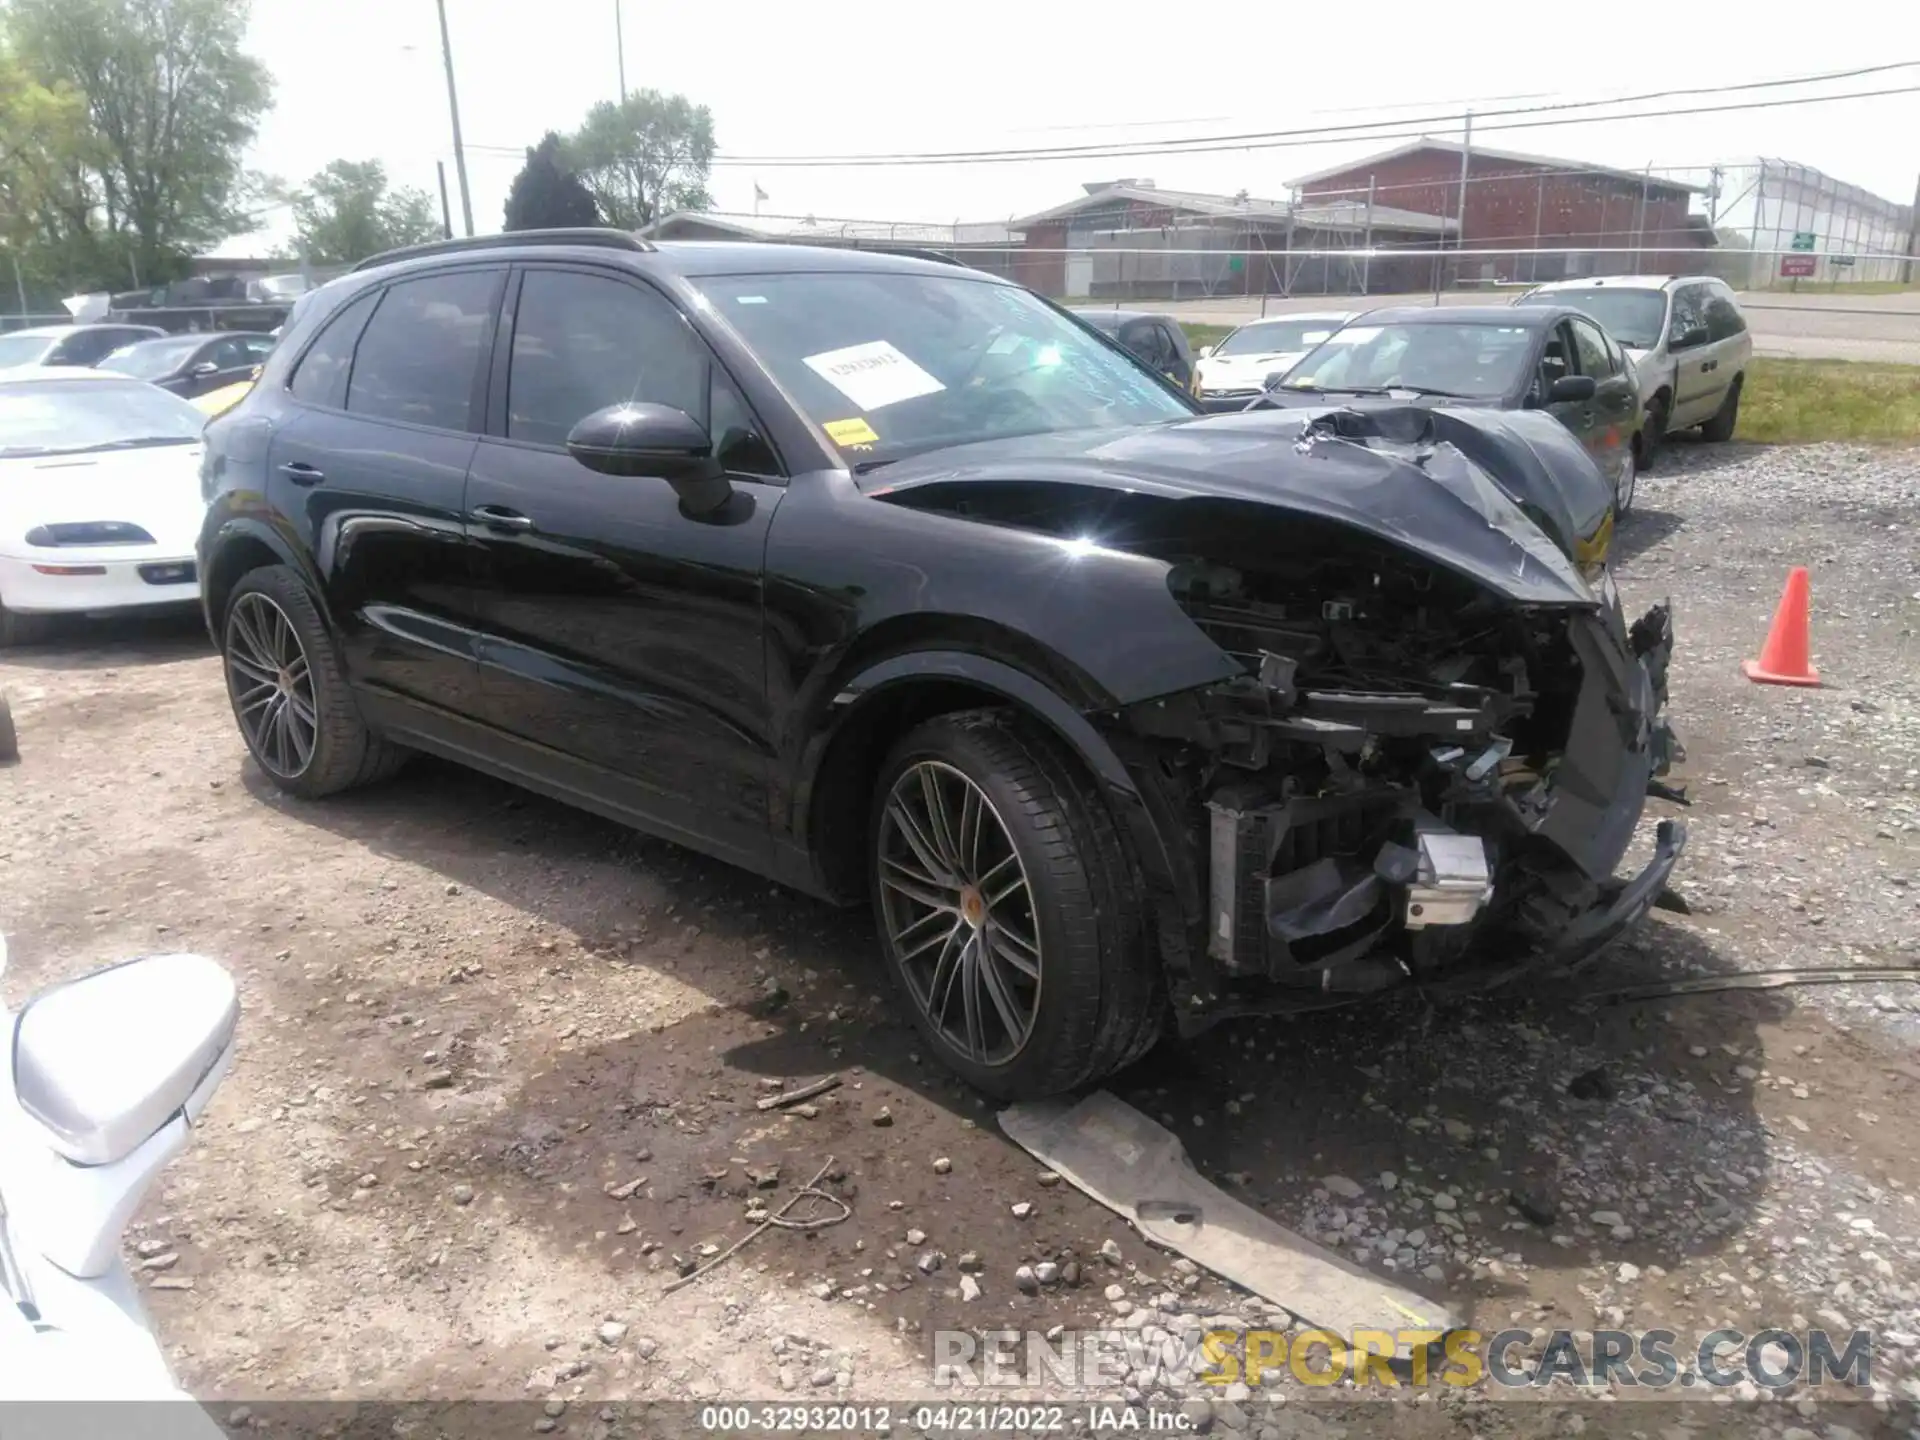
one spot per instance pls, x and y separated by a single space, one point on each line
289 693
1008 908
1628 481
1720 427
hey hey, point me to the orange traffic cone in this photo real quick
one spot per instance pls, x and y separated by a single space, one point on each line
1784 659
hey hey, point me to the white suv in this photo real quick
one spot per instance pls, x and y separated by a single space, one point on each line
1686 338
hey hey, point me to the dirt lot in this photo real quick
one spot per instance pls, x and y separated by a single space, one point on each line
471 1014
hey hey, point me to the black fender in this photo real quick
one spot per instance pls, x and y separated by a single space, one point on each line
1150 844
223 534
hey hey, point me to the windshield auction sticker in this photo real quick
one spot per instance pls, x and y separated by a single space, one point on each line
854 432
873 375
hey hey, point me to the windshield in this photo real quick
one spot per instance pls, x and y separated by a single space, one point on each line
1633 317
24 349
59 416
1274 336
1472 360
150 359
891 365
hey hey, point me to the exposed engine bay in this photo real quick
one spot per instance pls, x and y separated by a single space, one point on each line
1383 784
1416 774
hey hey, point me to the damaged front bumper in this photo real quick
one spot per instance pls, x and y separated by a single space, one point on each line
1470 865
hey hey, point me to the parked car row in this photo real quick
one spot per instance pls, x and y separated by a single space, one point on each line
1622 361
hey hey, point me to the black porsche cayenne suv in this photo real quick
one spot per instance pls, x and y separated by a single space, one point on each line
892 581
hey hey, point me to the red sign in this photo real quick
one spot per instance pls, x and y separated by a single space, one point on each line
1797 265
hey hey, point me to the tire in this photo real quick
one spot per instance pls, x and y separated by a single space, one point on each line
1720 428
1628 482
9 737
307 736
18 629
1654 432
1058 919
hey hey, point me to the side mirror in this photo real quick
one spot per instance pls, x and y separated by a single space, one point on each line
1571 388
105 1061
1203 352
205 367
1688 338
639 439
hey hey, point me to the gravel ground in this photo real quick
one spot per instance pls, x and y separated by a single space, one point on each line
499 1061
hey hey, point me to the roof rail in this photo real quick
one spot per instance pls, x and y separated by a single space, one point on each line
908 252
604 237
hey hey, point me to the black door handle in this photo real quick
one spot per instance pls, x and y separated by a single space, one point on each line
301 473
1707 365
498 517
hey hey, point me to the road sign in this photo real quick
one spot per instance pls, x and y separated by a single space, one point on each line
1803 239
1797 265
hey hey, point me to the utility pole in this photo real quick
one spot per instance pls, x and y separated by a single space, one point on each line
446 214
453 112
1459 212
1366 258
1913 238
620 50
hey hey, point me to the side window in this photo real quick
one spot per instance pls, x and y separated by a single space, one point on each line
1724 320
226 354
1555 360
417 358
321 376
1171 347
583 342
254 348
1590 350
1689 313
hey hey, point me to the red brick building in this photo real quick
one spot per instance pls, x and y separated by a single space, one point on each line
1605 221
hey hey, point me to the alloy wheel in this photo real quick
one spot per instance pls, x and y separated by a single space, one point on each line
271 684
958 912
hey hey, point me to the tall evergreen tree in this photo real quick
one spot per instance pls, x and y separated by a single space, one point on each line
547 194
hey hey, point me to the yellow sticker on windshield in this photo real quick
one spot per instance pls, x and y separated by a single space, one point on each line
850 432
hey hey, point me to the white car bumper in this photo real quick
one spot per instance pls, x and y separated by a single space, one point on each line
81 579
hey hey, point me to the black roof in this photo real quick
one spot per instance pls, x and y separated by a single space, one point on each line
1529 317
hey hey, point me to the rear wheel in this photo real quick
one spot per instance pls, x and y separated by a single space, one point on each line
1720 427
1629 480
289 693
1008 908
18 629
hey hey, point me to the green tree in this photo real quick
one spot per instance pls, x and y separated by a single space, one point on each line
348 212
546 194
170 103
644 157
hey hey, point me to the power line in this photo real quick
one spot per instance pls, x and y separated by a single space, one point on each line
1278 139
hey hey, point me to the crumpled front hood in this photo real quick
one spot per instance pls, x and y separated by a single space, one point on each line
1384 473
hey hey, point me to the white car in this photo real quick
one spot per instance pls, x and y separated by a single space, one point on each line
1236 370
99 497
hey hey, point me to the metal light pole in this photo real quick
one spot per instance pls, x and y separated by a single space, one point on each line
453 112
620 50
